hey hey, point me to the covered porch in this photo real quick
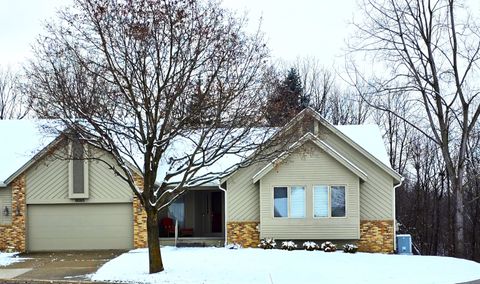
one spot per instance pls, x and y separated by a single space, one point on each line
195 219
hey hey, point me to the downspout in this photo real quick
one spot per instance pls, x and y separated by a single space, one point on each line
225 212
395 217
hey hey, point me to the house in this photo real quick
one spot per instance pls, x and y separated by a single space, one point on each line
333 182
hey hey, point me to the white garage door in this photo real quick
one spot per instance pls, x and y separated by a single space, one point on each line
79 227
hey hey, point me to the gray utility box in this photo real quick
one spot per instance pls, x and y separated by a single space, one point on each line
404 244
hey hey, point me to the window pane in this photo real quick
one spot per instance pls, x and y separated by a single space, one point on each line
338 201
78 170
297 202
280 202
320 201
176 211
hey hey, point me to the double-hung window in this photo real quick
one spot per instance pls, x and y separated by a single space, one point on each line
329 201
289 201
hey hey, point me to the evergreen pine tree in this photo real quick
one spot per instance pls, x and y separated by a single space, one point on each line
287 100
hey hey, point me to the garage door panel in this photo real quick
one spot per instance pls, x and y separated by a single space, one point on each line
75 232
80 227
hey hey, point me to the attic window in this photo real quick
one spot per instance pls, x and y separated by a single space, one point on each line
78 171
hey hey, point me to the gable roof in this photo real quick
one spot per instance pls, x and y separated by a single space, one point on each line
369 137
21 140
357 136
322 145
29 141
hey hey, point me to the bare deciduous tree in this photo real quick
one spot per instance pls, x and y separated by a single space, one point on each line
138 78
430 51
12 102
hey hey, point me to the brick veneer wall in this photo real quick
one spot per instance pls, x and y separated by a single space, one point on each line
376 236
13 235
139 219
244 233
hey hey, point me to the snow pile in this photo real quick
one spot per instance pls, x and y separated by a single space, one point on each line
234 246
7 258
221 265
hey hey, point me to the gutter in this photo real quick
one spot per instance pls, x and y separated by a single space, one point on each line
395 217
225 210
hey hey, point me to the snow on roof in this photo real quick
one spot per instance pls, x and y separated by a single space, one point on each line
369 137
182 147
20 141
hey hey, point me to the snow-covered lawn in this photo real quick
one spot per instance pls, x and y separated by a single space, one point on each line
221 265
7 258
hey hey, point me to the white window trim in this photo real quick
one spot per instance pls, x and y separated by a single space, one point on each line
329 207
289 188
85 193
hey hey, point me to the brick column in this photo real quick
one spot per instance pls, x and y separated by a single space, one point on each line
244 233
13 235
376 236
139 219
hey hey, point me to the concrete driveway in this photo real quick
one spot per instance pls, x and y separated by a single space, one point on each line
63 266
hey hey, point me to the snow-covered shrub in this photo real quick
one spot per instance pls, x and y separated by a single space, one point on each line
234 246
289 245
328 247
267 243
349 248
310 246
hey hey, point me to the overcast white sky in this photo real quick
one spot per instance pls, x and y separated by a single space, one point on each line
293 28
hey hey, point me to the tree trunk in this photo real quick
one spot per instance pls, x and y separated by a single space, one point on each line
154 255
459 216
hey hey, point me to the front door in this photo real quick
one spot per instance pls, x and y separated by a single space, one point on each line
209 213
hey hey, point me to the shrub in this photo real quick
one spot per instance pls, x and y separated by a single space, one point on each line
289 245
267 243
328 247
234 246
350 248
310 246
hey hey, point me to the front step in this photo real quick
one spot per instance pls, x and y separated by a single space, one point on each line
193 242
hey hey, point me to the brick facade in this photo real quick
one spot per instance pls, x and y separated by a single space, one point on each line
245 233
139 219
139 225
376 236
13 235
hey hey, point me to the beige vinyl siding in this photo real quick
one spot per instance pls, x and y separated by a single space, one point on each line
47 182
243 202
376 193
309 166
5 201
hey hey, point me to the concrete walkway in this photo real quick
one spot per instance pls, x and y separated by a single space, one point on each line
62 267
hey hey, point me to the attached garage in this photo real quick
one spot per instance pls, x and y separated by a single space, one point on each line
79 226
